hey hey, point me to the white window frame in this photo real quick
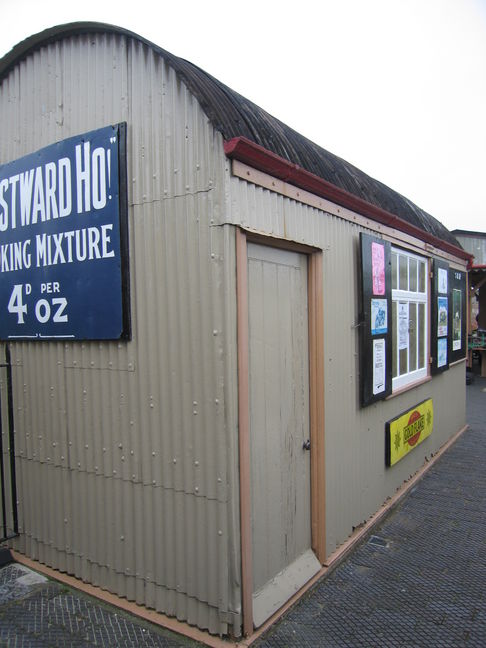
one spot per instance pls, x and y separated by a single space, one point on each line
410 296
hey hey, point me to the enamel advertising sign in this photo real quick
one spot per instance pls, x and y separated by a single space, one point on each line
407 431
63 241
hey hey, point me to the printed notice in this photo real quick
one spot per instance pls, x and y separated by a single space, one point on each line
442 352
378 268
456 319
442 281
442 316
379 316
402 325
378 366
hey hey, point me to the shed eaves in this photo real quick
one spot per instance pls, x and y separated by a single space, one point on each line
235 116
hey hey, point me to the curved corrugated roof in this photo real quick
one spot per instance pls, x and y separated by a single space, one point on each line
235 116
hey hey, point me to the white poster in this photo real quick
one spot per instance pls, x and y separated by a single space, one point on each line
378 366
402 325
442 281
442 352
379 316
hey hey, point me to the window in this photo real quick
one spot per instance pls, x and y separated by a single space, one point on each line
409 318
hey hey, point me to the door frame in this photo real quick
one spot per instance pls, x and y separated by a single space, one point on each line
315 301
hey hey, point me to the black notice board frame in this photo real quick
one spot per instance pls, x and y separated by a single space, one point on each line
457 282
375 323
439 351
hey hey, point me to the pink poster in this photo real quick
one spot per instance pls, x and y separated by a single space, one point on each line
378 268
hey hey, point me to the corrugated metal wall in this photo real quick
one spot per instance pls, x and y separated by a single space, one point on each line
475 245
127 460
357 481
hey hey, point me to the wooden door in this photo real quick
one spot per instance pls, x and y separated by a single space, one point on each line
279 433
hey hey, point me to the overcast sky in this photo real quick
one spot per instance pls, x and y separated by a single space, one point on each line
396 87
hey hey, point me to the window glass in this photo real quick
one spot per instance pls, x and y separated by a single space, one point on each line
403 272
422 267
413 334
412 271
394 271
421 338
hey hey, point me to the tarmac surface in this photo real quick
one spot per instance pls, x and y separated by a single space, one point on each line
418 580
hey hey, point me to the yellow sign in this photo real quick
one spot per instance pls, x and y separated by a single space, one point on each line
405 432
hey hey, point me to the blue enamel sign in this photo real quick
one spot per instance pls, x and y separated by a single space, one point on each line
63 258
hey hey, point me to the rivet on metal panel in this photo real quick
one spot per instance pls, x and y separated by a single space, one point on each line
120 445
215 332
86 446
131 452
153 482
114 472
196 463
104 449
153 454
65 521
194 412
123 457
174 460
196 489
220 532
62 457
216 400
122 538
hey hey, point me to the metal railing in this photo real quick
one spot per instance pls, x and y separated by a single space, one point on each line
8 496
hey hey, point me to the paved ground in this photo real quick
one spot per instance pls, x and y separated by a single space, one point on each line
419 580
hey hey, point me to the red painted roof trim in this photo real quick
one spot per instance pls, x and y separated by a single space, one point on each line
258 157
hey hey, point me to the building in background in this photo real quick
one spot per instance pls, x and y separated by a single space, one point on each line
224 346
475 244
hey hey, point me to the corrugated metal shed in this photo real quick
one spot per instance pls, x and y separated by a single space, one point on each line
235 116
128 450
